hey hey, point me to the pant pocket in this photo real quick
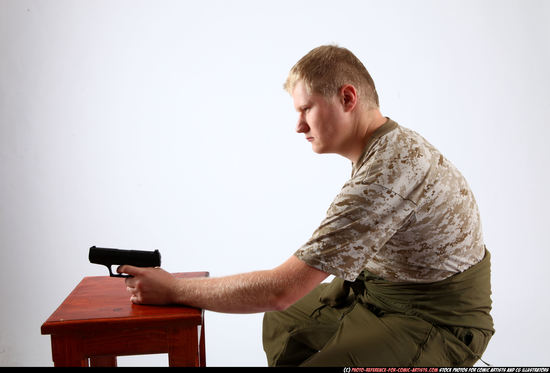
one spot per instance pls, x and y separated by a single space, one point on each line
442 348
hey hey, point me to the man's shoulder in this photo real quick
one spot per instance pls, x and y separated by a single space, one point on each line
398 158
398 144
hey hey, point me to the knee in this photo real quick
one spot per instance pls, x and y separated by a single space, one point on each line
272 336
271 324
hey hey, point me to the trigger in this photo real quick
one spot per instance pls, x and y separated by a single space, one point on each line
116 274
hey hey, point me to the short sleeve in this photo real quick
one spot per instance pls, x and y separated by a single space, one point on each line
361 219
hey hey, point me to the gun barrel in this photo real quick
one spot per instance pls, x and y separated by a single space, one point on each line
136 258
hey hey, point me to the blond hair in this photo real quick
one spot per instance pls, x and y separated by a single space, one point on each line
325 69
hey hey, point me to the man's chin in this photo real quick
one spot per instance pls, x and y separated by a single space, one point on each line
316 150
319 149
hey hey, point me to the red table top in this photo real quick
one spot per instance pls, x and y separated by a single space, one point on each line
103 302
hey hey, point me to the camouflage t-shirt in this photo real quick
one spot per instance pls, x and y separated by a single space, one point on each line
406 215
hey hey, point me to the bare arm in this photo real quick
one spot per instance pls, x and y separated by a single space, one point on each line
258 291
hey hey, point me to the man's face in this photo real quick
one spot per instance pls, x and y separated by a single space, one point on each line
320 119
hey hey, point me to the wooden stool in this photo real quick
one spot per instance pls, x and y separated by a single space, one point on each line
98 321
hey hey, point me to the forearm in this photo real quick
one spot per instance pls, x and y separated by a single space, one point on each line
251 292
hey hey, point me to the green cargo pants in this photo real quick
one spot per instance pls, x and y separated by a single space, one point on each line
350 324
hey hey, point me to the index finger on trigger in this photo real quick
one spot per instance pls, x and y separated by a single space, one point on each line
128 269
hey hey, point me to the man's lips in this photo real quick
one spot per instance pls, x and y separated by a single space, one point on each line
310 139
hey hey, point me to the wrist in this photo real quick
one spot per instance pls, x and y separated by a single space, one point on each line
178 291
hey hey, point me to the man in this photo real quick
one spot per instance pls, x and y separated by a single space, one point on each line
403 240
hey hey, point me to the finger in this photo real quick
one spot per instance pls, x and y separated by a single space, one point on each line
135 299
128 269
130 282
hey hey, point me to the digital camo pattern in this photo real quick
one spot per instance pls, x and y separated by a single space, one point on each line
406 215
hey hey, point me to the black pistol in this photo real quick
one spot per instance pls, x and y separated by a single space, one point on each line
136 258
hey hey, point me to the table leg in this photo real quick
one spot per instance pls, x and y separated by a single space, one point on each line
67 351
183 349
202 349
103 361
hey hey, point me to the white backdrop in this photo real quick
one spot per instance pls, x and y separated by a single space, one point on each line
163 124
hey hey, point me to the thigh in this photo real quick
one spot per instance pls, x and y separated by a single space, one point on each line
366 339
293 335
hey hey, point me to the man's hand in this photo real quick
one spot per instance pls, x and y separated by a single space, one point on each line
149 285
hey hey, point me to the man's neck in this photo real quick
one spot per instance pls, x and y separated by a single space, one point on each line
368 123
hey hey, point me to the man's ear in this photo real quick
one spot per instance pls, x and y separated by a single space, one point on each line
348 97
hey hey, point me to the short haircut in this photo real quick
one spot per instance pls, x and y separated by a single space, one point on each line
326 69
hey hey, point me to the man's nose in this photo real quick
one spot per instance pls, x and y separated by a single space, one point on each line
301 126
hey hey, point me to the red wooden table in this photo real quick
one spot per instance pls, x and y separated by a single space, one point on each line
98 322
